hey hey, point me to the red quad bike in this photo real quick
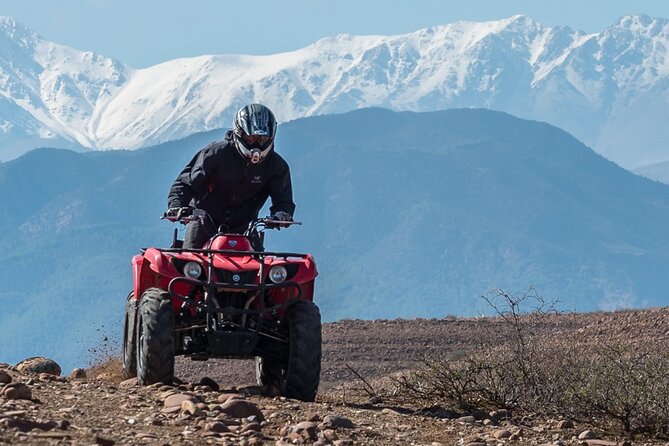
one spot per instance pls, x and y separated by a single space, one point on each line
227 300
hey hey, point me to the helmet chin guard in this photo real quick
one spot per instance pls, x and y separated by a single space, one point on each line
254 155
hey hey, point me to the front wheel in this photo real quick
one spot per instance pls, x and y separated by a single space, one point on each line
297 377
155 338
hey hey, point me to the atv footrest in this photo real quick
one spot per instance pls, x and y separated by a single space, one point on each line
232 344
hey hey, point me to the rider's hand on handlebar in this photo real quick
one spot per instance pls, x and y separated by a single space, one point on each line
281 216
177 213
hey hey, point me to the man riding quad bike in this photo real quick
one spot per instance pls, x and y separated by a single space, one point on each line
218 293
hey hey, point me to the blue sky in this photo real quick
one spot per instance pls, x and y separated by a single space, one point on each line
145 32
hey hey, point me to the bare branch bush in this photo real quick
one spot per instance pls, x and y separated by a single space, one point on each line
534 364
626 383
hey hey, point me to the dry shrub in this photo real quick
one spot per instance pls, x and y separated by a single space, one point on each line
626 383
536 365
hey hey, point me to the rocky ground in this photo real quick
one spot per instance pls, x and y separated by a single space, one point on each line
216 402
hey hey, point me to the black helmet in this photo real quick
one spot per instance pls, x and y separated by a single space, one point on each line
253 131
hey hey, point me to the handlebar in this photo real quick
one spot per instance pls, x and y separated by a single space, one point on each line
271 222
187 215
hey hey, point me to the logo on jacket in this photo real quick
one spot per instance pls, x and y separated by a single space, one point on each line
256 179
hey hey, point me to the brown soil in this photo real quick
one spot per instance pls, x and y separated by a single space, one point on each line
357 355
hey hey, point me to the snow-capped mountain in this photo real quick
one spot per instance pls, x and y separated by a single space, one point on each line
610 89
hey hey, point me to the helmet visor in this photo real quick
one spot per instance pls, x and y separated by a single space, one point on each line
256 141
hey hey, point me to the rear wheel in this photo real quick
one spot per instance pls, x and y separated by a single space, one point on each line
298 376
155 338
129 342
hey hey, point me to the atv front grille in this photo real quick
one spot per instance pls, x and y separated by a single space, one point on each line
237 278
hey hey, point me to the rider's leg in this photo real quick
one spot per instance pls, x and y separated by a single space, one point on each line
198 233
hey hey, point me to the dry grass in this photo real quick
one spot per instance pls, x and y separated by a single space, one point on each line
624 383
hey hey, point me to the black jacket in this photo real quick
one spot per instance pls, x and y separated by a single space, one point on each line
230 188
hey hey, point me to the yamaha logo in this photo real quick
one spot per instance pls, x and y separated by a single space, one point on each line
236 278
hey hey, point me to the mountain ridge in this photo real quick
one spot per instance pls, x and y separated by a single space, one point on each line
584 83
407 214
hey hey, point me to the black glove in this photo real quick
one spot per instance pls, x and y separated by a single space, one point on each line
281 216
177 213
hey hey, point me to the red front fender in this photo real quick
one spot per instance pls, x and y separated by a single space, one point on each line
152 269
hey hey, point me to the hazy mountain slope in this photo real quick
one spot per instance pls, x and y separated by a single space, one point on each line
609 89
408 214
657 172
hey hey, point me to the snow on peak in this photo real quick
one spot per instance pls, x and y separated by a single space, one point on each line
17 33
639 21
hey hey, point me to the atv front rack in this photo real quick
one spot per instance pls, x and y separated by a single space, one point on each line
213 286
232 252
234 338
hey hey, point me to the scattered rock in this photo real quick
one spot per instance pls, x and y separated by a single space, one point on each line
217 427
516 436
213 385
178 398
499 415
469 419
106 376
502 433
24 425
241 409
338 421
13 413
17 391
295 438
132 382
103 441
39 364
224 397
307 430
78 374
170 409
600 443
252 427
188 407
565 424
4 377
166 393
330 435
587 435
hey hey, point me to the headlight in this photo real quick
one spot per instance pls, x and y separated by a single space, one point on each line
278 274
192 270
